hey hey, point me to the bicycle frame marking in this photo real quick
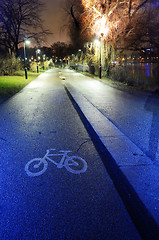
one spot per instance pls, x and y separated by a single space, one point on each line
71 163
61 163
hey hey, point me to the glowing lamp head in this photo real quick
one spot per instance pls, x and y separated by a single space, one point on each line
26 41
100 27
38 51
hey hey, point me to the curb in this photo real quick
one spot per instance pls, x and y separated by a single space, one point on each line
115 161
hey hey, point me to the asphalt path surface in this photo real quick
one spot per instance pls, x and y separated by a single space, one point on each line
125 109
57 204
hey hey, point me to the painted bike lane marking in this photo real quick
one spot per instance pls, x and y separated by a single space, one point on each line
73 164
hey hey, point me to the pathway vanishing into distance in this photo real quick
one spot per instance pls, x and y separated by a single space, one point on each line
54 194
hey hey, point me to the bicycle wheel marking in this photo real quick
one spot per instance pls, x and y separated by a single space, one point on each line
72 164
36 163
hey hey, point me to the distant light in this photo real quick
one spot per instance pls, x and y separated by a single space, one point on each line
27 41
38 50
148 49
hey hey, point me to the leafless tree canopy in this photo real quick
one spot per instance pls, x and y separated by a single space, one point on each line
126 24
20 18
74 11
61 49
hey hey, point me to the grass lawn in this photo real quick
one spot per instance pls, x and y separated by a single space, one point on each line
9 85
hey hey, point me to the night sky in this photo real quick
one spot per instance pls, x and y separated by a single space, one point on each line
54 20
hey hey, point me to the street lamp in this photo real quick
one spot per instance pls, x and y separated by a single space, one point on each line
100 56
25 42
97 44
37 58
81 56
44 58
102 29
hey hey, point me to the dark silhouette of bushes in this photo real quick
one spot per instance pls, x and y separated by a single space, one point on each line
9 65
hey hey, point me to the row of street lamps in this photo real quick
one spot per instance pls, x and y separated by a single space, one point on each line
27 42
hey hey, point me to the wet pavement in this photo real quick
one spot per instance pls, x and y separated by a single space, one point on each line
57 203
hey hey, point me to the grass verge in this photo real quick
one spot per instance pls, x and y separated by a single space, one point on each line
10 85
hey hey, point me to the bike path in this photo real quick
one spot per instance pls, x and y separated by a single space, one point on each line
57 204
134 174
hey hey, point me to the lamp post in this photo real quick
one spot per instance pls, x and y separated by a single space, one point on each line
97 44
100 56
81 56
44 57
102 29
37 58
25 42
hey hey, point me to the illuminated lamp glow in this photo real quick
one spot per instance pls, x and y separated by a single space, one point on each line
100 27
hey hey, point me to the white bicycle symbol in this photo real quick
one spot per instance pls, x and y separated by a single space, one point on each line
73 164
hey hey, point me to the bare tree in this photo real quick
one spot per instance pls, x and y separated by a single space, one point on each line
61 49
121 25
125 24
74 10
18 19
